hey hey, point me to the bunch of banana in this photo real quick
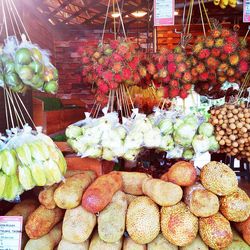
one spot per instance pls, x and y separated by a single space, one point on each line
37 163
224 3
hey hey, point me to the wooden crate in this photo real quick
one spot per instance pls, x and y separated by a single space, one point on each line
77 163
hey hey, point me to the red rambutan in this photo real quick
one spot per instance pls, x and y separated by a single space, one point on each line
99 69
181 67
166 92
179 58
222 79
118 78
244 54
107 76
142 71
128 56
232 40
229 48
230 72
103 88
166 79
243 66
114 44
159 66
161 59
177 75
151 68
194 72
223 57
126 73
209 42
163 73
234 59
187 86
171 67
204 53
219 42
198 47
205 86
200 68
215 52
173 92
117 67
136 77
183 94
231 79
215 33
116 57
194 61
212 63
174 84
85 60
113 85
170 57
225 32
123 48
223 67
187 77
203 76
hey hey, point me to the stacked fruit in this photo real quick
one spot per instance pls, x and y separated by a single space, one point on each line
232 129
218 58
167 213
27 69
171 69
35 163
224 3
112 64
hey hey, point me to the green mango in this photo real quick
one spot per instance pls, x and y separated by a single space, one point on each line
23 56
25 177
9 164
12 79
24 154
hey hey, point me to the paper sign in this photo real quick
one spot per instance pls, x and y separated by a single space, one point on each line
246 11
164 12
11 232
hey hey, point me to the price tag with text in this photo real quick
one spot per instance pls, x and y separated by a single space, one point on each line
164 12
246 11
11 232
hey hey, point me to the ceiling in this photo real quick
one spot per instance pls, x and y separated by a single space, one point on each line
67 14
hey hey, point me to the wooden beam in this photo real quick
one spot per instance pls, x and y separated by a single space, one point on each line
61 7
80 11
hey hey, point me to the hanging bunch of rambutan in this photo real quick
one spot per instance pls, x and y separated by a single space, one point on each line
218 58
172 71
111 64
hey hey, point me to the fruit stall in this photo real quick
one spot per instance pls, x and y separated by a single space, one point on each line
124 125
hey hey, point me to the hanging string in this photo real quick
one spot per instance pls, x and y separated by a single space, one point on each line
122 23
20 20
208 20
9 12
6 109
26 111
114 19
105 22
202 21
245 37
4 18
16 22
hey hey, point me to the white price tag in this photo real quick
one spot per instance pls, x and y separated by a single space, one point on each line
11 232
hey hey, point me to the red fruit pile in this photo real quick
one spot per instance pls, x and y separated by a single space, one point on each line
172 70
218 58
111 64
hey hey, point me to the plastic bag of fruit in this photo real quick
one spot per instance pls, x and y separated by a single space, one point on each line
28 159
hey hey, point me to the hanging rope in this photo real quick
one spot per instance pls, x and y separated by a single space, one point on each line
105 22
120 15
114 19
202 21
